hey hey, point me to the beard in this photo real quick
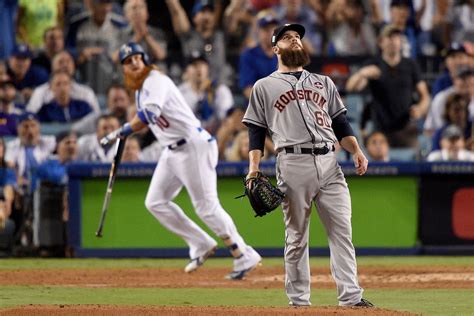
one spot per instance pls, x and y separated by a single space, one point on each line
294 57
134 81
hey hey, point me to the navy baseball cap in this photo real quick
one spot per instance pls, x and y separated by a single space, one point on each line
197 56
26 116
201 5
452 132
453 49
267 19
22 51
279 31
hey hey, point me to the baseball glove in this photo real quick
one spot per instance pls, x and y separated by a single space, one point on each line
263 196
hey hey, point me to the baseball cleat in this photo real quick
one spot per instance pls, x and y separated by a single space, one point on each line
195 263
240 275
364 303
244 265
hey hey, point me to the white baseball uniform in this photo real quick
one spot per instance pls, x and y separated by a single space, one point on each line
189 159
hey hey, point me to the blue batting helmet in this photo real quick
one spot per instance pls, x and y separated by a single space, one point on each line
129 49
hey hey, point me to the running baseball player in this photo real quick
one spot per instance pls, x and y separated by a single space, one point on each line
189 159
305 117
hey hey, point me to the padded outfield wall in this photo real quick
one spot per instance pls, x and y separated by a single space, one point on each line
385 215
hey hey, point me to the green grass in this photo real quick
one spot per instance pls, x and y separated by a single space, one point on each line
425 301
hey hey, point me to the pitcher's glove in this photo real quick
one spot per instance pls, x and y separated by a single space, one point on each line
263 196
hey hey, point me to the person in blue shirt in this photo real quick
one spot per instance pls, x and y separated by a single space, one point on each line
455 57
24 75
9 109
63 108
52 184
8 10
260 61
54 169
7 185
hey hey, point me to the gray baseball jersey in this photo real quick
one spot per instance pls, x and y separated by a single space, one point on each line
306 105
299 113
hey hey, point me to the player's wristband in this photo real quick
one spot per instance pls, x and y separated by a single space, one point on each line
125 130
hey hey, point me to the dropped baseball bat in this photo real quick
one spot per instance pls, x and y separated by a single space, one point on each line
119 146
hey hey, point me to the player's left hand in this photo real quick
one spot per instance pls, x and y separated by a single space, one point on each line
360 162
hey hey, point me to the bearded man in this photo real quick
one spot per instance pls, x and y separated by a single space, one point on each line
189 158
305 117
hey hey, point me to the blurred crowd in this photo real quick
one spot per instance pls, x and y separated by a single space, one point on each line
61 89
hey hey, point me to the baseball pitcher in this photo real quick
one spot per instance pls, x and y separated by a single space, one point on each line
304 115
189 159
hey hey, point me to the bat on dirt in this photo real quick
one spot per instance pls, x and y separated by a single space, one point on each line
119 146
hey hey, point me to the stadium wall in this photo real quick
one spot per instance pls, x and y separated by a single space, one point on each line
395 211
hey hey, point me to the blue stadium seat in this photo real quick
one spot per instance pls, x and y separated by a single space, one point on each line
402 154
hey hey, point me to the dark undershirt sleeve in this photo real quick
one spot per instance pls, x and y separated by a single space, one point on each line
341 127
256 137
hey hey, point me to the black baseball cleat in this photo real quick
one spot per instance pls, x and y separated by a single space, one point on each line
364 303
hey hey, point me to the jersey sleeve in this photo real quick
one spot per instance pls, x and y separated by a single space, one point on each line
255 113
154 93
335 104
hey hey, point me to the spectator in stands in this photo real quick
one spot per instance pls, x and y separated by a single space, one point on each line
260 61
118 103
455 113
28 150
43 94
24 154
8 13
239 21
459 21
462 84
34 17
455 57
132 150
393 80
296 11
430 17
350 32
452 147
399 17
53 39
63 108
9 110
152 39
7 194
208 99
53 179
24 75
239 151
89 148
94 37
204 39
377 147
54 169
